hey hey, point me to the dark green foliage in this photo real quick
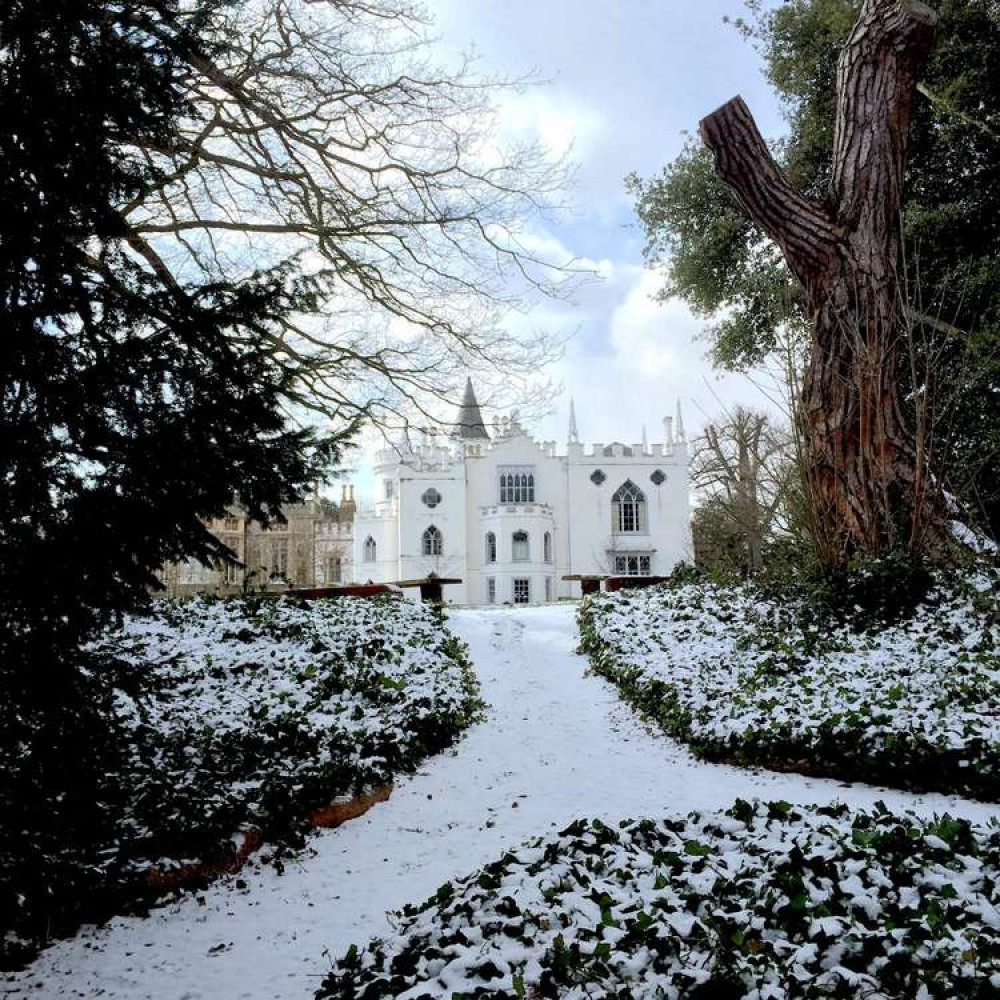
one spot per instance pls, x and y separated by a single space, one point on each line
241 714
766 899
824 676
131 406
867 593
719 263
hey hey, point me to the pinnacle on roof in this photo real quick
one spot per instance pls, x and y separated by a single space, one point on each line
469 422
574 437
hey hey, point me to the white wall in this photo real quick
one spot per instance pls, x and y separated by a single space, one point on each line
568 505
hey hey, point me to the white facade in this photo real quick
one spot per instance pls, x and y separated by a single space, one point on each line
511 518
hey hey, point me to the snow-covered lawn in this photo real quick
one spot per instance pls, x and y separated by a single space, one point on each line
250 715
557 745
740 677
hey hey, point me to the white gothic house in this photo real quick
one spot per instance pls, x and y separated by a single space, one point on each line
511 517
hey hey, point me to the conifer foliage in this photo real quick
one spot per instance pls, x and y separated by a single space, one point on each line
133 403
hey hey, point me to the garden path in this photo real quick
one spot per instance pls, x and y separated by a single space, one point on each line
557 745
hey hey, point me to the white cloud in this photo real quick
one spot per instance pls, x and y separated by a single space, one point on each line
560 123
653 340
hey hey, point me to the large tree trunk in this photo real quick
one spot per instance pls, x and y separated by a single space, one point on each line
865 482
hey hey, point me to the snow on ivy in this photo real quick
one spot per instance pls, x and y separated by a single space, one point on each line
751 679
765 902
252 712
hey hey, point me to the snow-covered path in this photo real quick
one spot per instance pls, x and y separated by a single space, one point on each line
557 745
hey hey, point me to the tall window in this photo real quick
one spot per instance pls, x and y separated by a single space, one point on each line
279 558
369 550
517 486
334 569
491 590
548 588
432 543
628 507
522 591
547 546
520 548
491 547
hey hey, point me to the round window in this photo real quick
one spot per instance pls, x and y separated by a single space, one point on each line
431 497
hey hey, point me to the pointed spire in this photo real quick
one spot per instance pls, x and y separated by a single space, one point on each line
574 437
645 440
679 423
469 422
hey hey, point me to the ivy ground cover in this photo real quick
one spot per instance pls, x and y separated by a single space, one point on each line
764 902
752 680
248 714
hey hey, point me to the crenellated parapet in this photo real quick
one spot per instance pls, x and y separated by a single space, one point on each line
676 451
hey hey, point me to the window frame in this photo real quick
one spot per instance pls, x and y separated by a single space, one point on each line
369 550
515 540
517 485
522 583
642 562
278 559
432 541
628 506
334 568
491 547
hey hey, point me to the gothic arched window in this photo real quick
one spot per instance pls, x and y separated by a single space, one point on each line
491 547
520 547
628 507
432 542
369 549
547 546
334 569
517 487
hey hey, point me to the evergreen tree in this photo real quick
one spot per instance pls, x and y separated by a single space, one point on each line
133 405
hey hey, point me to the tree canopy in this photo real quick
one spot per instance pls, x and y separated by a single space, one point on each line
722 265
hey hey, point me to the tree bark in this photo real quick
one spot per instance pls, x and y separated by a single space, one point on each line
865 483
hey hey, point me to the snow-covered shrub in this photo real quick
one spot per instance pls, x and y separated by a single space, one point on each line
753 679
763 902
252 713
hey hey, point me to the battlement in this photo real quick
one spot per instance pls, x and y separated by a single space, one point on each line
421 456
653 453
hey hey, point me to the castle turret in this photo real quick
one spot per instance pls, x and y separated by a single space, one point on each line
469 424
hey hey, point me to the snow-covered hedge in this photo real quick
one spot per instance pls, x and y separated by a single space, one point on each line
755 680
237 714
762 902
256 712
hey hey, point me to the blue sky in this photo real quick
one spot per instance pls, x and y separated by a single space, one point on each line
625 82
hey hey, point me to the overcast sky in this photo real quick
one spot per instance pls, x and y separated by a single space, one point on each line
628 80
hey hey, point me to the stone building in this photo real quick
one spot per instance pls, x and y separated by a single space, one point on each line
313 548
